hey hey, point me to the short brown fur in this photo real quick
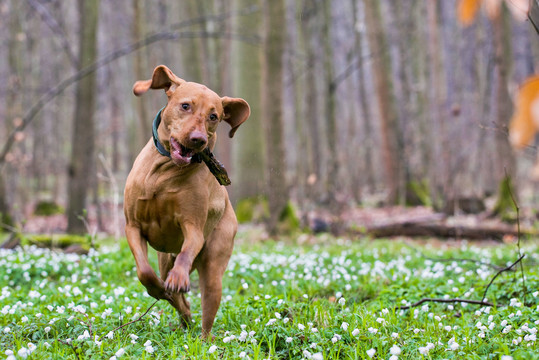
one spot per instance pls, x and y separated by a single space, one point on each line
176 205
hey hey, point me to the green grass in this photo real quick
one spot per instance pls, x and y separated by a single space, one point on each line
331 299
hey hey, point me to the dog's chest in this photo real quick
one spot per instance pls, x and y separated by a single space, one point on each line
161 213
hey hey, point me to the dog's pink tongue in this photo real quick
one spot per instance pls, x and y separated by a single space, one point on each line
176 153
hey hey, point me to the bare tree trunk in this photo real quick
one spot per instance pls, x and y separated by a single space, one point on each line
311 121
272 107
369 172
82 164
224 146
14 107
141 72
439 148
381 67
248 148
191 59
330 117
505 169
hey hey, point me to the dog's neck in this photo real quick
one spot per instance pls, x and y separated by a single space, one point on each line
158 145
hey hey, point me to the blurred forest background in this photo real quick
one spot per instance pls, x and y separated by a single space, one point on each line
355 103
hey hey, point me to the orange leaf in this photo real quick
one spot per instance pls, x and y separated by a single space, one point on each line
525 121
466 11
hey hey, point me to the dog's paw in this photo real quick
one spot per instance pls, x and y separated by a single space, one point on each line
177 281
157 290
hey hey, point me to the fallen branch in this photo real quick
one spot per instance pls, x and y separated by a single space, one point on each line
507 268
499 272
456 300
414 229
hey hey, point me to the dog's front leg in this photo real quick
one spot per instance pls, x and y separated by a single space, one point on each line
147 276
178 277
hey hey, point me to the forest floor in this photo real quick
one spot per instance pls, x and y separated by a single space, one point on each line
352 221
309 296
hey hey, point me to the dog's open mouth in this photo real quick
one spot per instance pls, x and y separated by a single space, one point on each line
179 153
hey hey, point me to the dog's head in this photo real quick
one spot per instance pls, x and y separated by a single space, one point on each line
192 114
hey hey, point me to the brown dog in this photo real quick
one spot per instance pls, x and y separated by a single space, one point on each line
175 204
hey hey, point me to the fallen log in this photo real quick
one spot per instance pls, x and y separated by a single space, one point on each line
422 228
442 230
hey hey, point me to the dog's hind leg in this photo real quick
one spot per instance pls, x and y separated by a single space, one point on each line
177 300
211 266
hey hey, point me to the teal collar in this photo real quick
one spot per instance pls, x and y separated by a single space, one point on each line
156 141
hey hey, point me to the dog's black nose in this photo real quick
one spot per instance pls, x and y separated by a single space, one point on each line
198 139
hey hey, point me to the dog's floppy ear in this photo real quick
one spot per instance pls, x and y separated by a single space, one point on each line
163 78
236 112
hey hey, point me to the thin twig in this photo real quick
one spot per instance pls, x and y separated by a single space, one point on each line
499 272
467 301
518 236
115 194
87 323
51 22
134 321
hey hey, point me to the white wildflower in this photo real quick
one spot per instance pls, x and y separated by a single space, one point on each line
120 352
453 345
84 336
23 352
395 350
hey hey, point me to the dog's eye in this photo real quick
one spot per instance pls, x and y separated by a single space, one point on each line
213 117
186 106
